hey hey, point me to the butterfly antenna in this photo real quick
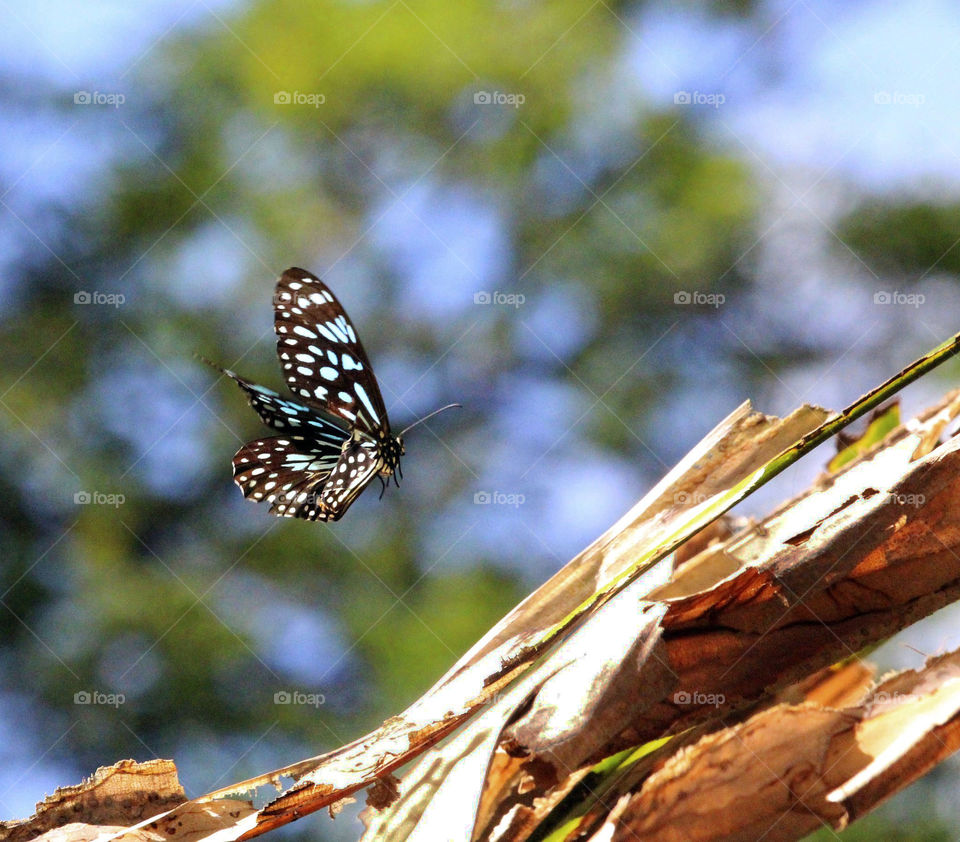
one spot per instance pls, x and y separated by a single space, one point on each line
212 364
429 416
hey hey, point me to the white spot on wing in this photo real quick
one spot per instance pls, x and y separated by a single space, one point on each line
365 399
326 334
335 328
346 327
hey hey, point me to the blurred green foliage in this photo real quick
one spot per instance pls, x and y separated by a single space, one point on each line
908 241
593 203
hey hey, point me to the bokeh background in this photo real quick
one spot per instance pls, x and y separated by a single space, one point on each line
598 225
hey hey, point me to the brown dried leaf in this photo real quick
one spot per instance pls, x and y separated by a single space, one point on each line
738 446
787 610
122 794
789 769
748 617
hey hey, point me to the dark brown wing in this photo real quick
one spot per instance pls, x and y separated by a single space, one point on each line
283 414
357 466
289 472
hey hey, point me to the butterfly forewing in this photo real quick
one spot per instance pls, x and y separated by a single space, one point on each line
321 355
289 472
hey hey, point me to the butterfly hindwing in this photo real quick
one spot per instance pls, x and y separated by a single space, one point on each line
322 357
357 465
290 472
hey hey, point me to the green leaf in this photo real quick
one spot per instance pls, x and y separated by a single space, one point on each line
883 422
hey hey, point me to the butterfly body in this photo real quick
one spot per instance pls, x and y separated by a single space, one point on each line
334 435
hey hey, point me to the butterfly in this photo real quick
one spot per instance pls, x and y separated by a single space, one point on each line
334 434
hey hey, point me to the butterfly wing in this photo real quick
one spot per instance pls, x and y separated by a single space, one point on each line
356 467
290 472
285 415
321 356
